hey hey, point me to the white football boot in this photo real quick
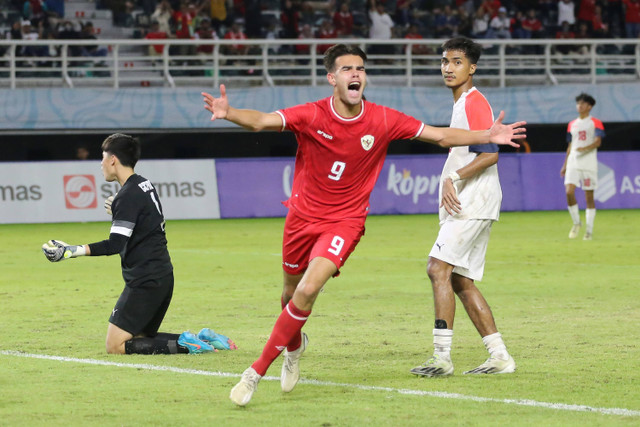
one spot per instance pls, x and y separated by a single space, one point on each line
242 392
290 373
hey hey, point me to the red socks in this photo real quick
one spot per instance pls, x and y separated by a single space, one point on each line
296 341
286 329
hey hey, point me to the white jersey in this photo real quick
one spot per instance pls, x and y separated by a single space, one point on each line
581 133
480 195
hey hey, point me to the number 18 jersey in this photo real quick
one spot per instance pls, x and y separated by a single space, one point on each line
339 158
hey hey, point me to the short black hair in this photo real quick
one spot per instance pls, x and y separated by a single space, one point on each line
471 49
586 98
126 148
338 50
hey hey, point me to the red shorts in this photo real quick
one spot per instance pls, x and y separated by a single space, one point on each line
304 240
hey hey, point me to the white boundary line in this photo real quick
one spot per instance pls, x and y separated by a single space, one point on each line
440 394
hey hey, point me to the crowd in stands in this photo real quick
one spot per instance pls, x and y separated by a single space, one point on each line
298 19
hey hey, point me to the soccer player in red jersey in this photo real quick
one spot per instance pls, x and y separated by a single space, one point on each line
342 144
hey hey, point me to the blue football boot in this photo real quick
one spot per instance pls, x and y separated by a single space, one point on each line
193 344
219 341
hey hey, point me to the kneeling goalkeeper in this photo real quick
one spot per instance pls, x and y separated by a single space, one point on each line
138 235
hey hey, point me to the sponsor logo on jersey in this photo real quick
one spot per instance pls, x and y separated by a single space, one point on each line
291 265
80 191
146 186
326 135
367 142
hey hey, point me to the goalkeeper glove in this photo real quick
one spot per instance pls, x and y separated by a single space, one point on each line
56 250
107 204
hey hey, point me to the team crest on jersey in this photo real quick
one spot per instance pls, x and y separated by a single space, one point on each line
367 142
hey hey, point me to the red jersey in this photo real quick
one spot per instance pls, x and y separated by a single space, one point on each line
339 159
632 14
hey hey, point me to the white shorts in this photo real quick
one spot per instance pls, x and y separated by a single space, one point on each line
585 179
463 244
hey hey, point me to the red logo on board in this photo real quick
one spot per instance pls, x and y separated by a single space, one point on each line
80 192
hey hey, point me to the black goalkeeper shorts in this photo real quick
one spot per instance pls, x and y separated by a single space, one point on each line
141 309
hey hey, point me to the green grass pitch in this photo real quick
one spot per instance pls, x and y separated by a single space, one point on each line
568 311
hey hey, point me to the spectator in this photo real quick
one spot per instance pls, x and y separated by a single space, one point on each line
381 25
185 20
307 14
480 23
205 32
413 34
500 26
599 28
566 12
305 33
632 18
326 31
531 26
88 33
82 153
343 21
403 12
236 33
446 22
565 33
583 33
66 31
218 12
586 11
162 16
155 33
290 18
27 33
185 26
204 51
34 11
15 32
491 7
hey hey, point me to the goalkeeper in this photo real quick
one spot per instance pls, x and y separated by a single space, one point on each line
138 235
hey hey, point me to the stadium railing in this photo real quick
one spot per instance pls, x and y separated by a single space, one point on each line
405 62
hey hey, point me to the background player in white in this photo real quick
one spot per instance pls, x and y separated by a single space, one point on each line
580 168
470 197
342 143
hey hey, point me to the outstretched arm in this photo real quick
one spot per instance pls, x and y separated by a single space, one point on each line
499 133
249 119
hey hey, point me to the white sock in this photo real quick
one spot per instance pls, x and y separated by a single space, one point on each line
442 339
495 346
591 216
574 211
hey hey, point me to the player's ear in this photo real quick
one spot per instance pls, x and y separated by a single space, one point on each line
331 78
472 69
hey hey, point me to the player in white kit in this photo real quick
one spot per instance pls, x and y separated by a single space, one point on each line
580 168
470 198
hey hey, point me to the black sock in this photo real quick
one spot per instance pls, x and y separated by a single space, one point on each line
157 345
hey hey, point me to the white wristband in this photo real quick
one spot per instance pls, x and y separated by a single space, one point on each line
454 176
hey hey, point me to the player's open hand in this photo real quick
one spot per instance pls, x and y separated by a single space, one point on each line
502 134
450 200
107 205
217 106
